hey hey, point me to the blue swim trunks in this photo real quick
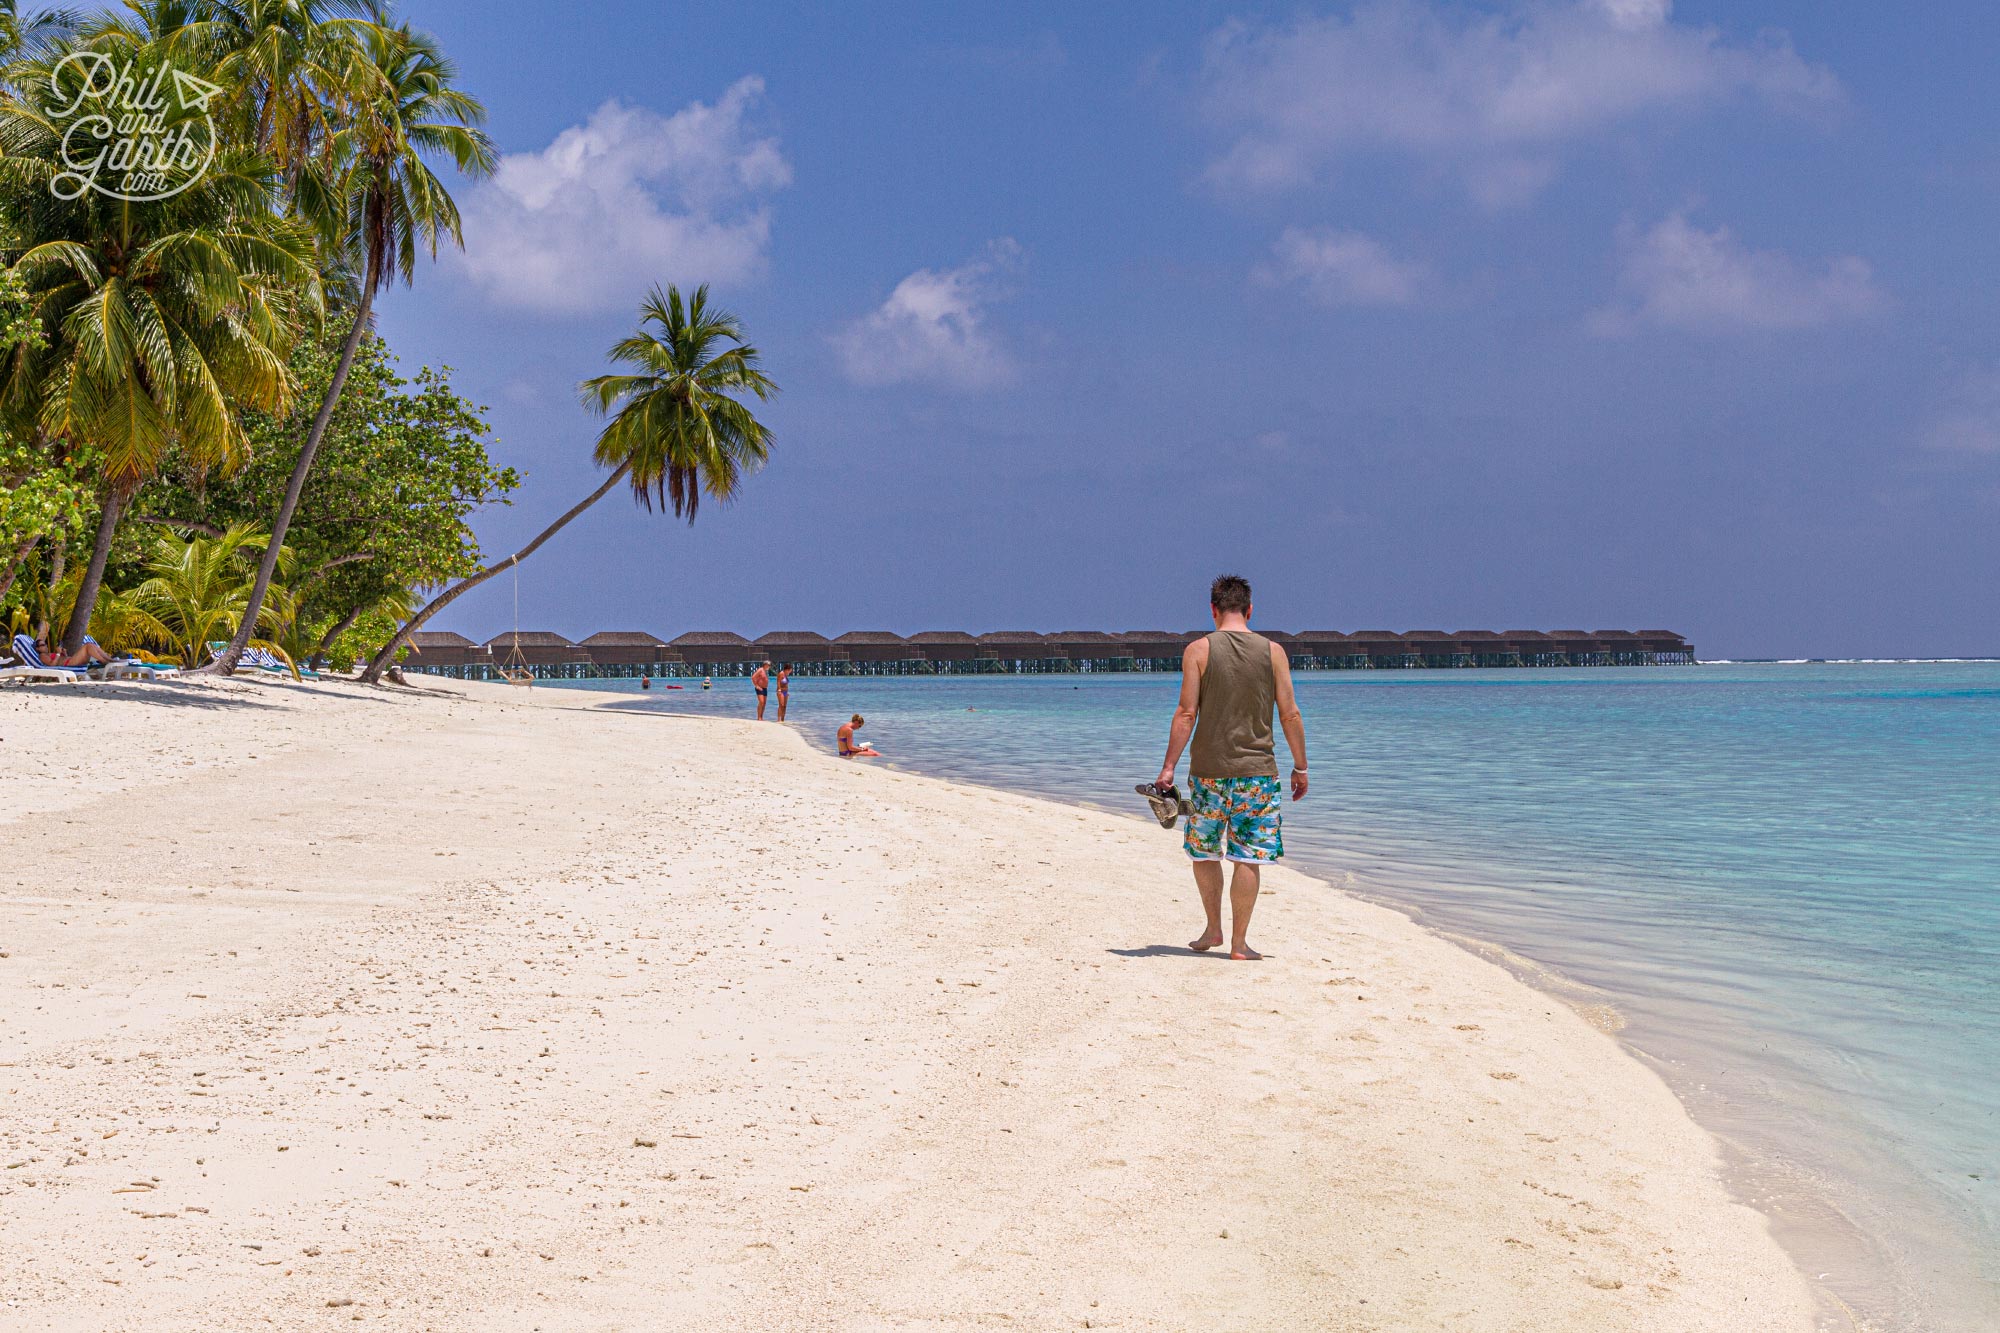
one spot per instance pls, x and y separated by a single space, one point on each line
1235 819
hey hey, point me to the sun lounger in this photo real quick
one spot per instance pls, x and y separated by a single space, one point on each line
30 660
131 668
270 661
257 659
25 675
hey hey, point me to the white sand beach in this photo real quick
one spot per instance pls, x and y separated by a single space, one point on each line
467 1008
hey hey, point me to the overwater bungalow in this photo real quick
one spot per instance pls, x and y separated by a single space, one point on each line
443 648
1532 646
1326 648
789 647
1486 649
1018 646
1383 648
712 648
1093 649
875 645
535 647
946 645
1663 645
625 647
1157 647
1433 647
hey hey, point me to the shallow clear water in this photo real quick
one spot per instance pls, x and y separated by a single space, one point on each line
1785 879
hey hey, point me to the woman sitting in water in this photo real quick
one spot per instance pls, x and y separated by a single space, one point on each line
848 749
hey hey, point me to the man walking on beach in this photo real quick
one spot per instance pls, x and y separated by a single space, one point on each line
760 680
1231 681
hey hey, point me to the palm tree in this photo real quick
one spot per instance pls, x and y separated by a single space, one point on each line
197 590
384 206
24 37
291 68
159 316
678 426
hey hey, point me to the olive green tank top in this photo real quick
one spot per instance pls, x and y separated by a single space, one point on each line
1239 690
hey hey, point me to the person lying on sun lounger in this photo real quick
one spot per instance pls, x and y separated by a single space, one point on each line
87 656
848 749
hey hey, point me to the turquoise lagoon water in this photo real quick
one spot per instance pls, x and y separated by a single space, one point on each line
1784 880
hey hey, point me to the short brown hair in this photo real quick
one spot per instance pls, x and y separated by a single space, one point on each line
1231 592
858 719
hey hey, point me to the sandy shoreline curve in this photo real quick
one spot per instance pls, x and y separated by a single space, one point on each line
470 1008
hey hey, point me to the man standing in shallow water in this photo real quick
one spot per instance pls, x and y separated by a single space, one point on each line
760 680
1231 681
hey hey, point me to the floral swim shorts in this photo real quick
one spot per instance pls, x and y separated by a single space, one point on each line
1234 819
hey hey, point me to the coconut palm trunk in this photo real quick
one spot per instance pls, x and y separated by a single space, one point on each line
267 568
382 659
115 501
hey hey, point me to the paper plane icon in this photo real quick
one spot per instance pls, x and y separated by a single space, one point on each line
194 93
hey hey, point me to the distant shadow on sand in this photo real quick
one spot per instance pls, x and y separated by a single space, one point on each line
158 693
1170 951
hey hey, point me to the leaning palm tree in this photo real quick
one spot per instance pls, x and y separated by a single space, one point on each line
678 426
160 317
384 205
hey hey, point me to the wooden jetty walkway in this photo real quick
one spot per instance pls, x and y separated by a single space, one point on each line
631 653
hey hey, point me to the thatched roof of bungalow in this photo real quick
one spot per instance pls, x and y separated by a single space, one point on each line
871 636
1086 638
1570 634
624 638
1523 634
529 638
792 638
1427 635
1475 634
1375 636
942 636
1613 634
1322 636
709 638
439 638
1011 637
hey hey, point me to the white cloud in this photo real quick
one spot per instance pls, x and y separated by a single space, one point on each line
933 328
627 199
1342 268
1676 275
1968 420
1492 97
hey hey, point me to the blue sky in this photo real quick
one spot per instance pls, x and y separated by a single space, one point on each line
1581 314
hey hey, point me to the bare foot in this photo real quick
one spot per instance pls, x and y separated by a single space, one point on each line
1243 953
1206 942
